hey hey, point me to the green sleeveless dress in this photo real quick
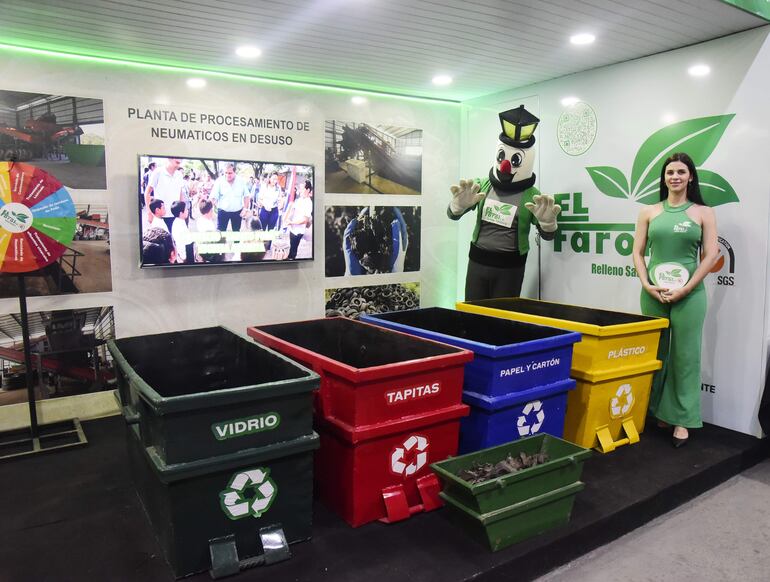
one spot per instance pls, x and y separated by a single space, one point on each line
674 239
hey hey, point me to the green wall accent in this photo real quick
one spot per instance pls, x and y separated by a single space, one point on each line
759 8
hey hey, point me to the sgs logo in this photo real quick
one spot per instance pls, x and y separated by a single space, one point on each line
725 265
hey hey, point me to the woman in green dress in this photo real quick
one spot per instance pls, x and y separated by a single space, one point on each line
676 229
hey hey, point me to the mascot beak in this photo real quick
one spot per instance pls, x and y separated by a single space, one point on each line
505 167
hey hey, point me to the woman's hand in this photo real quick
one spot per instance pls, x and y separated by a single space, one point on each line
656 292
673 295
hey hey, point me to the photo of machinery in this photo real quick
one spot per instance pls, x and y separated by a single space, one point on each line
62 135
372 159
68 352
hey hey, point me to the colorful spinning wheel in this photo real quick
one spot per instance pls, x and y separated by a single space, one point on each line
37 218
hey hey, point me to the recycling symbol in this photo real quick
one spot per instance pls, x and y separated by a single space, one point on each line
248 493
521 423
622 402
416 443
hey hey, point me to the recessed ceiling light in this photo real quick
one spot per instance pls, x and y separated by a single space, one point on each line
248 52
358 100
583 38
196 83
570 101
442 80
699 70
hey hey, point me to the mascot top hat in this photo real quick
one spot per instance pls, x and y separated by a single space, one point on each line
518 127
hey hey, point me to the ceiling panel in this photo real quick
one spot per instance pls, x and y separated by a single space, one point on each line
387 45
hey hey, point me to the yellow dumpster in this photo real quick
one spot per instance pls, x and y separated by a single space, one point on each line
607 410
613 365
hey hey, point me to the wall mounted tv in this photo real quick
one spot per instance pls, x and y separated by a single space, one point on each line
199 212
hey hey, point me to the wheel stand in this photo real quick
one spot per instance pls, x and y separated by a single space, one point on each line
36 438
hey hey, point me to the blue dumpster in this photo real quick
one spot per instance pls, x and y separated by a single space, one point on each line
509 356
495 420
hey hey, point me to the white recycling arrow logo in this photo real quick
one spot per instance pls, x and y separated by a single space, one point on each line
521 423
235 501
414 442
622 402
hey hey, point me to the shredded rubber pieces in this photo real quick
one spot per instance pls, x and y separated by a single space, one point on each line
354 301
479 472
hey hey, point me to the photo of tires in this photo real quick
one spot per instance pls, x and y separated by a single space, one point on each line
353 301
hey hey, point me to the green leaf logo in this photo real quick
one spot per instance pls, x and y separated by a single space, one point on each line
505 209
675 272
20 217
715 189
609 180
698 137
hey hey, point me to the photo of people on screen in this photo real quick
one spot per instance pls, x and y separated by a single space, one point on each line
224 211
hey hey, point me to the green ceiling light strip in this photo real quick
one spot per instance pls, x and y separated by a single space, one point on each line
331 86
759 8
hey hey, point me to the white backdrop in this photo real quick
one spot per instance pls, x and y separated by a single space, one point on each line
150 301
631 102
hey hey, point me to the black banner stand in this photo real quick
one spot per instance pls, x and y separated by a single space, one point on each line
37 438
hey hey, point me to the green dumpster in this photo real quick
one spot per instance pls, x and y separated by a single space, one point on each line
508 509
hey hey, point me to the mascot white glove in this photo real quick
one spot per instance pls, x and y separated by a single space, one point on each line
464 196
545 210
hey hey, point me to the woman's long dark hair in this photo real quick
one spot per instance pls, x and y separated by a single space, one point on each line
693 187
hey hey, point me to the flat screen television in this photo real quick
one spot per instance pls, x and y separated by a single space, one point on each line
201 212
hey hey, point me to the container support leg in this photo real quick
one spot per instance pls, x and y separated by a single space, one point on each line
224 552
607 445
631 432
397 507
429 488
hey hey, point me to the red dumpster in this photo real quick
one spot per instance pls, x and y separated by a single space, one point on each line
383 471
389 404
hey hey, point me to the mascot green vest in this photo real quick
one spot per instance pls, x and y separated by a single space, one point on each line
507 204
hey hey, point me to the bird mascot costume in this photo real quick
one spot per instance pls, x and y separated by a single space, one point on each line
506 204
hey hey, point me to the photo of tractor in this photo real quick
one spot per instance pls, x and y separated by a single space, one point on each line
60 134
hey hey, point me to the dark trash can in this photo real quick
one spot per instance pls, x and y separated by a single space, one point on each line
193 505
208 392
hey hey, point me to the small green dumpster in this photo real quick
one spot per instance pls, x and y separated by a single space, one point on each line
513 507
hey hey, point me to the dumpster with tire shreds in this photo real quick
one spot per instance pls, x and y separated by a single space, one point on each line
518 379
388 405
510 508
207 392
194 506
615 346
508 356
